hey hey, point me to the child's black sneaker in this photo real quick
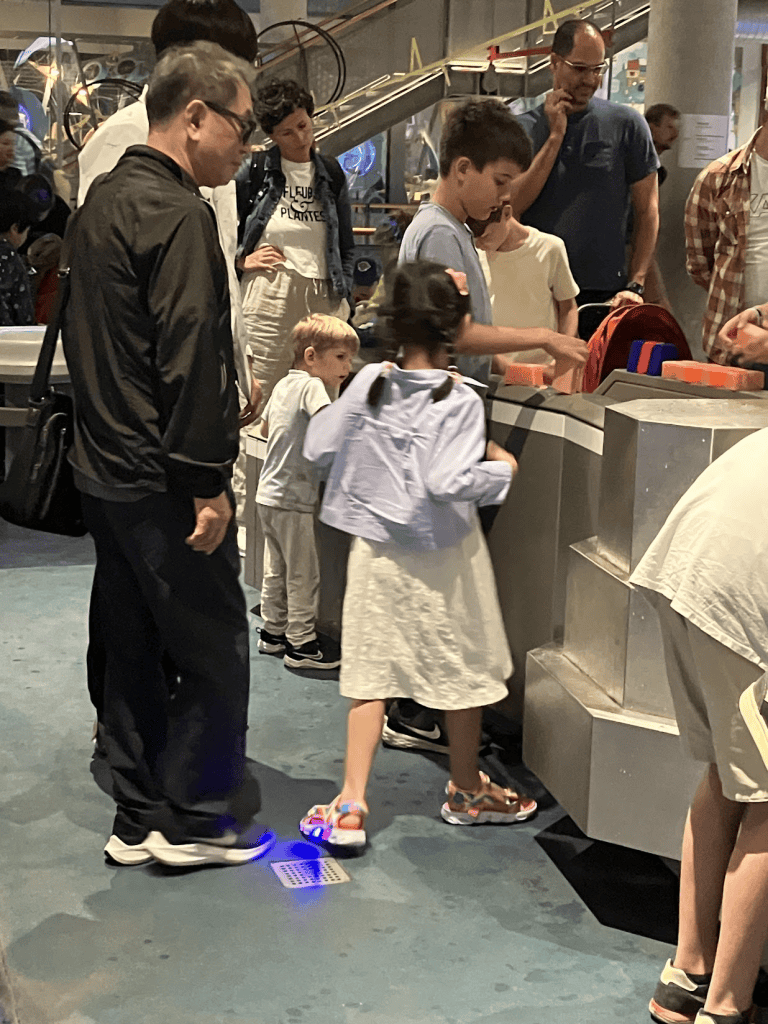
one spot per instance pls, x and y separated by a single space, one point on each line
272 643
311 655
409 726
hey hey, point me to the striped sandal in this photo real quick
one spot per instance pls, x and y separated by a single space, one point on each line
490 805
323 823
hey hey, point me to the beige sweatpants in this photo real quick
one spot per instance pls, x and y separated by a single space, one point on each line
291 580
273 303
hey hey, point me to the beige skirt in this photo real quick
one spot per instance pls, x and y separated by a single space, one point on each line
424 624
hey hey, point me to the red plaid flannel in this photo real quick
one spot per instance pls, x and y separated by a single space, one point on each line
716 217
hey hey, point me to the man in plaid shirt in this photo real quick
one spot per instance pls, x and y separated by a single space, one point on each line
726 236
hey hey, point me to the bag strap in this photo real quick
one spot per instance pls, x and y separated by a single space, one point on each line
39 385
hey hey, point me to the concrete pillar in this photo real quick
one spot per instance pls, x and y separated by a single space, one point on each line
751 97
690 65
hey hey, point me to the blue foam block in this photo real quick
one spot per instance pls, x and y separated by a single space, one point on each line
661 354
634 355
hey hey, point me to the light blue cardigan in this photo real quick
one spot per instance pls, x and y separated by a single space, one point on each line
410 470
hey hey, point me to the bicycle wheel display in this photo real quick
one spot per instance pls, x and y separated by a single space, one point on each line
93 103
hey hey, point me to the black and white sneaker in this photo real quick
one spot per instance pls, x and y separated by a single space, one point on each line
272 643
409 726
312 654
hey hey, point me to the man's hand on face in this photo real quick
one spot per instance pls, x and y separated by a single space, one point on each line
626 299
212 516
558 104
250 411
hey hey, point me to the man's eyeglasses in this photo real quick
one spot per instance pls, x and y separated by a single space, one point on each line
247 125
587 69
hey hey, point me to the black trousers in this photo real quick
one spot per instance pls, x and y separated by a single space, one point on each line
169 669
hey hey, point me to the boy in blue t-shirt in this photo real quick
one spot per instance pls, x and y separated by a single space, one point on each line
482 150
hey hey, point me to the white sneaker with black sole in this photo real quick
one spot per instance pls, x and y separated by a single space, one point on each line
311 655
229 848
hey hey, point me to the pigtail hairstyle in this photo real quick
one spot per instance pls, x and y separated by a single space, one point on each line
423 309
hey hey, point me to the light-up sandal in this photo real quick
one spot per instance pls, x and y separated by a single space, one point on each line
324 822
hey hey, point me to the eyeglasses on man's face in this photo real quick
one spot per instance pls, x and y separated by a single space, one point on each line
247 125
597 70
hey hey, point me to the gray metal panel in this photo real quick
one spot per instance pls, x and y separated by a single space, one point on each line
580 491
641 785
596 620
646 687
724 439
557 733
669 458
617 487
523 544
624 386
620 775
612 634
652 452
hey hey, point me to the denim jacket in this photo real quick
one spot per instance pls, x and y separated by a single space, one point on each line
339 242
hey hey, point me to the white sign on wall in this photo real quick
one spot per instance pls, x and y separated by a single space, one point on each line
703 138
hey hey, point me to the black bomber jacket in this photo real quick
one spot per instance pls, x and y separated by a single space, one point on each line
148 338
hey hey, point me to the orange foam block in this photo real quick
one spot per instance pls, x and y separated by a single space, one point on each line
684 369
529 374
731 378
567 377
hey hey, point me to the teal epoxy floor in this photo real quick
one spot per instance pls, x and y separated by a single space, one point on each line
439 925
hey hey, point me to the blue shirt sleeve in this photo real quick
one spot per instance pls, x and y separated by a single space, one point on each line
441 245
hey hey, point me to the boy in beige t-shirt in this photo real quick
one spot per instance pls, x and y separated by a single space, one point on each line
529 279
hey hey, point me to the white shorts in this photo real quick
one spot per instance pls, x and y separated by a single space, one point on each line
718 698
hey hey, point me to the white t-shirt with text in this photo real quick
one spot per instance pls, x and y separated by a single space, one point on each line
297 227
287 480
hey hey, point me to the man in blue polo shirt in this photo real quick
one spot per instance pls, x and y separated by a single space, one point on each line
593 159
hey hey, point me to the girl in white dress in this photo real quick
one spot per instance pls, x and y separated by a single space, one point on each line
402 450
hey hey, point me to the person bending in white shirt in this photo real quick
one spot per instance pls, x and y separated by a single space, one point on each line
178 23
403 448
286 497
706 573
529 279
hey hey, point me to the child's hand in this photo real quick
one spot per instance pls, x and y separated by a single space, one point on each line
495 453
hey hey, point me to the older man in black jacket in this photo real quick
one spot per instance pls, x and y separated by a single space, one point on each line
148 340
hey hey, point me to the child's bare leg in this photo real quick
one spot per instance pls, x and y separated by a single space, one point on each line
464 730
744 918
708 841
364 725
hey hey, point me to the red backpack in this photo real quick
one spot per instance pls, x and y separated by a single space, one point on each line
610 344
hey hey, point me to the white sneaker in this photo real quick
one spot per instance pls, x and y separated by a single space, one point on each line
230 848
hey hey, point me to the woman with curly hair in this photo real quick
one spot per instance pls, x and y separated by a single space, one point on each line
297 248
